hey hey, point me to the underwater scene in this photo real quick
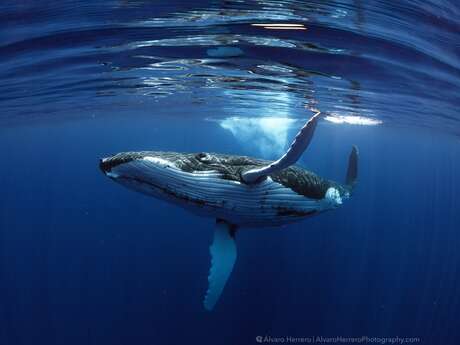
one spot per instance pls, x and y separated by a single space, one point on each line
229 172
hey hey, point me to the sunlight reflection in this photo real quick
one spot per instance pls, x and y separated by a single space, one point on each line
284 28
281 26
352 120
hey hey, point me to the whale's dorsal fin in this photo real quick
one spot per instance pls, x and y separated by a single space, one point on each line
223 257
298 146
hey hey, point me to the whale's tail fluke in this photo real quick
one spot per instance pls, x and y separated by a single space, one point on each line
352 171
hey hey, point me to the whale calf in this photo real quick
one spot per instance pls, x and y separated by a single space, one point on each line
237 191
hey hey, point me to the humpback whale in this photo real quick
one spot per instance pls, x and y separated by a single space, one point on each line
237 191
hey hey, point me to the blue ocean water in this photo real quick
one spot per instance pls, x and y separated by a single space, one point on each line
84 261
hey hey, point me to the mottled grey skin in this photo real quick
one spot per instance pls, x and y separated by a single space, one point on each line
299 180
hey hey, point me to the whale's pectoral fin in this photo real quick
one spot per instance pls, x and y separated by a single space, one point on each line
223 256
292 155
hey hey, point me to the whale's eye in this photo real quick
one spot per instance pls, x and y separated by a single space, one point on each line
203 157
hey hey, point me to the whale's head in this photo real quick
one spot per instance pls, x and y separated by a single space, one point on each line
152 173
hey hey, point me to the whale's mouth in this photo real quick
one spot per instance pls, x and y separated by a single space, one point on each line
108 164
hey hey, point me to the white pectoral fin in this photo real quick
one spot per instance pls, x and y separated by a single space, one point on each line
223 257
292 155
